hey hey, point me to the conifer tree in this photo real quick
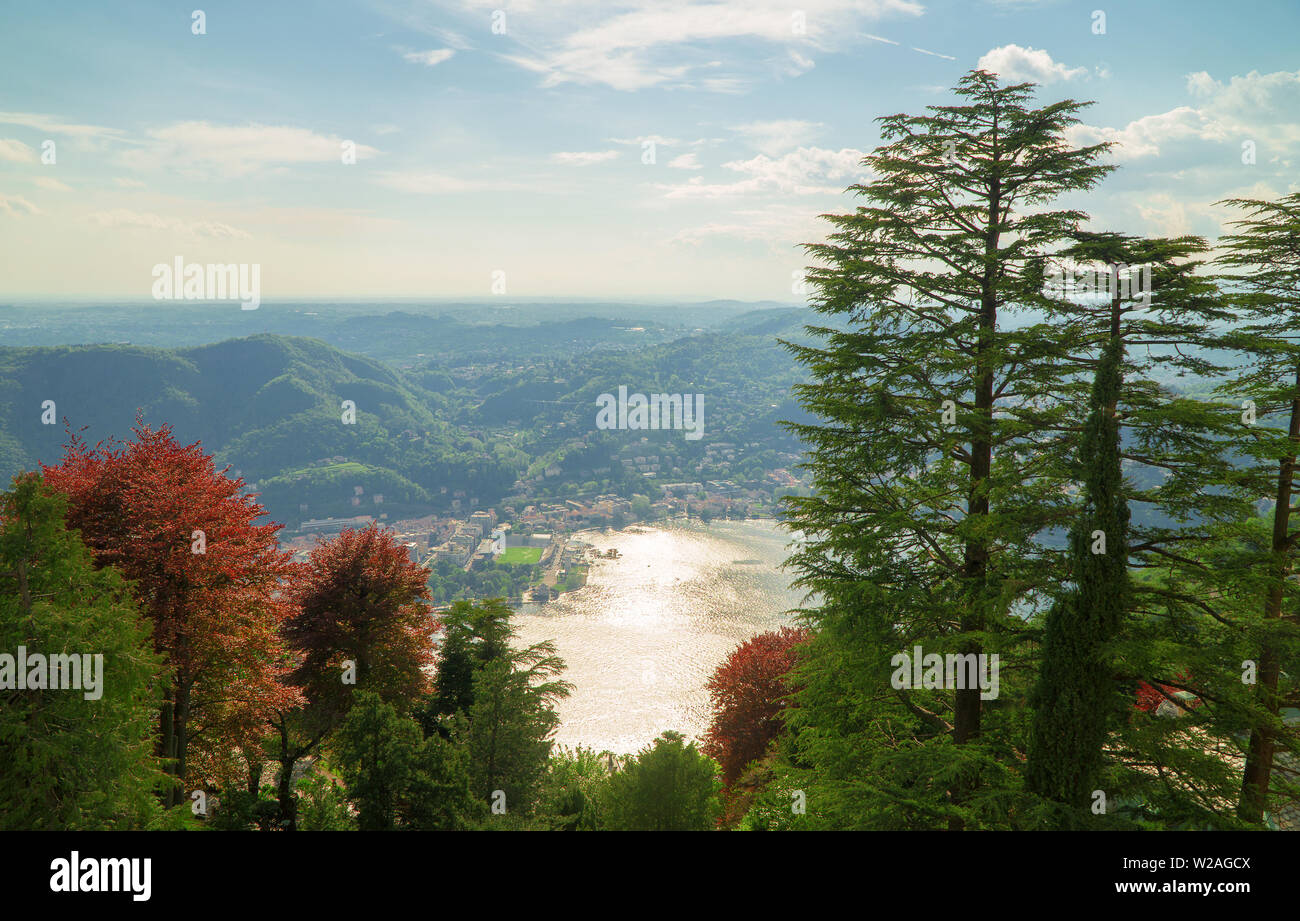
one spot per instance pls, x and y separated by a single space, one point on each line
1263 256
69 762
1162 766
1074 704
938 388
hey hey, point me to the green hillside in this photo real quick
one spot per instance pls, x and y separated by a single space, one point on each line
270 406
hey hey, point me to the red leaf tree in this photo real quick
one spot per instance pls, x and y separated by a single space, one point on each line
358 599
748 695
206 574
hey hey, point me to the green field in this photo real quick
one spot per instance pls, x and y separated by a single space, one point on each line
521 556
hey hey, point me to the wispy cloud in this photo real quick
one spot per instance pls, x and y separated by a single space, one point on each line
804 171
584 157
52 125
17 206
430 58
51 184
235 150
16 151
124 218
647 43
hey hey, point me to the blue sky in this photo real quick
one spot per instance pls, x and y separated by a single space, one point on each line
521 150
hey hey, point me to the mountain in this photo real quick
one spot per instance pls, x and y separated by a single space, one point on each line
270 406
489 406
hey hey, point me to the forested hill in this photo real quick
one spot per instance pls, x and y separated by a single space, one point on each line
269 405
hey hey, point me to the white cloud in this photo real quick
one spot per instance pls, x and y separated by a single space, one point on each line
1143 137
1170 216
773 137
16 151
1016 64
685 161
236 150
430 183
782 226
49 124
583 157
645 43
17 206
52 184
123 183
429 58
1264 108
804 171
123 218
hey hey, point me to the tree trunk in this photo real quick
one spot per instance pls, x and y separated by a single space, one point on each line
967 703
1258 771
167 745
284 787
181 727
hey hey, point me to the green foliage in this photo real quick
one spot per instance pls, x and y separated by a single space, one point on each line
71 763
323 805
395 777
240 810
927 527
1077 702
574 790
669 786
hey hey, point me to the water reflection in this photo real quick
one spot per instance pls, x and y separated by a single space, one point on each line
647 631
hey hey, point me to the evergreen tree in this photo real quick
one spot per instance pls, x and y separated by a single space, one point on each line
395 777
1263 256
71 763
1075 700
669 786
510 724
473 634
937 469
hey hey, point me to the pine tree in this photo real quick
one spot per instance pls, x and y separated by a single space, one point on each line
1074 704
1264 256
508 728
934 463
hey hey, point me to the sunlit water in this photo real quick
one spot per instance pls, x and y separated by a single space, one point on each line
644 635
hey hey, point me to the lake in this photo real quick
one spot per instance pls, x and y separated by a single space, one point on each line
643 636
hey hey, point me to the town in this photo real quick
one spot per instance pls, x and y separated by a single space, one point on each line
545 535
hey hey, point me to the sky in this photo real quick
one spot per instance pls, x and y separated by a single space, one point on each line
624 149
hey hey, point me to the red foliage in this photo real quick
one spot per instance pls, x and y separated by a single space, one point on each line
217 613
1149 699
748 696
361 598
